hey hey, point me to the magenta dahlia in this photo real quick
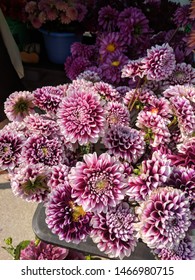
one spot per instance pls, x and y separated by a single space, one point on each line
107 91
124 142
134 69
65 218
187 91
116 113
30 182
98 182
18 105
81 116
160 62
40 149
114 231
165 218
43 251
59 175
10 149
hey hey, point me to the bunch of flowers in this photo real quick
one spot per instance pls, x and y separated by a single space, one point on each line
59 16
130 32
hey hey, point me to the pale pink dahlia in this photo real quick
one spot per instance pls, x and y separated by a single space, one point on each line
48 98
81 117
160 62
30 182
40 149
18 105
187 91
98 182
165 217
59 175
10 149
116 113
107 91
41 124
184 251
65 218
114 231
124 142
89 75
43 251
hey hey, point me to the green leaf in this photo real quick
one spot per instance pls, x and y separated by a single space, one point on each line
11 251
21 246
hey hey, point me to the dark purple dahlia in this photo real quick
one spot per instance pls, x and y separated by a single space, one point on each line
114 231
110 43
65 218
43 251
98 182
81 116
107 18
124 142
10 149
40 149
165 218
30 182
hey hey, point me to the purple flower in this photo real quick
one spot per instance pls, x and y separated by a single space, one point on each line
165 217
43 251
116 113
107 91
107 18
74 66
48 98
65 218
81 50
40 149
114 231
184 251
10 149
124 142
59 175
89 75
18 105
80 116
181 16
98 182
30 182
110 43
160 62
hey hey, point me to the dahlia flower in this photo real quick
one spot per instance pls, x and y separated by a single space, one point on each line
81 116
10 149
65 218
187 91
90 76
98 182
181 16
43 251
81 50
160 62
18 105
143 95
107 91
184 251
110 43
30 182
107 18
40 149
124 142
75 66
114 231
165 218
116 113
134 69
59 175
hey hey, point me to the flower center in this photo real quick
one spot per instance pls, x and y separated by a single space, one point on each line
111 47
21 106
33 184
45 150
77 211
137 29
115 63
101 184
154 110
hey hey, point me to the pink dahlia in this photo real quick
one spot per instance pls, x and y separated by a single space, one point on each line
107 18
59 175
48 98
18 105
65 218
30 182
98 182
40 149
116 113
165 217
107 91
134 69
187 91
184 251
81 116
114 231
124 142
41 124
10 149
160 62
43 251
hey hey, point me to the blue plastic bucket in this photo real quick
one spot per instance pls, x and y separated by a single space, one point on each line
58 45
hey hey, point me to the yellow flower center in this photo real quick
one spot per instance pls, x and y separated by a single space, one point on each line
45 151
77 211
111 47
102 184
154 111
116 63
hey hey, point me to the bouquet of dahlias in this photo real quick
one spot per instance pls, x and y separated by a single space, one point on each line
57 16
